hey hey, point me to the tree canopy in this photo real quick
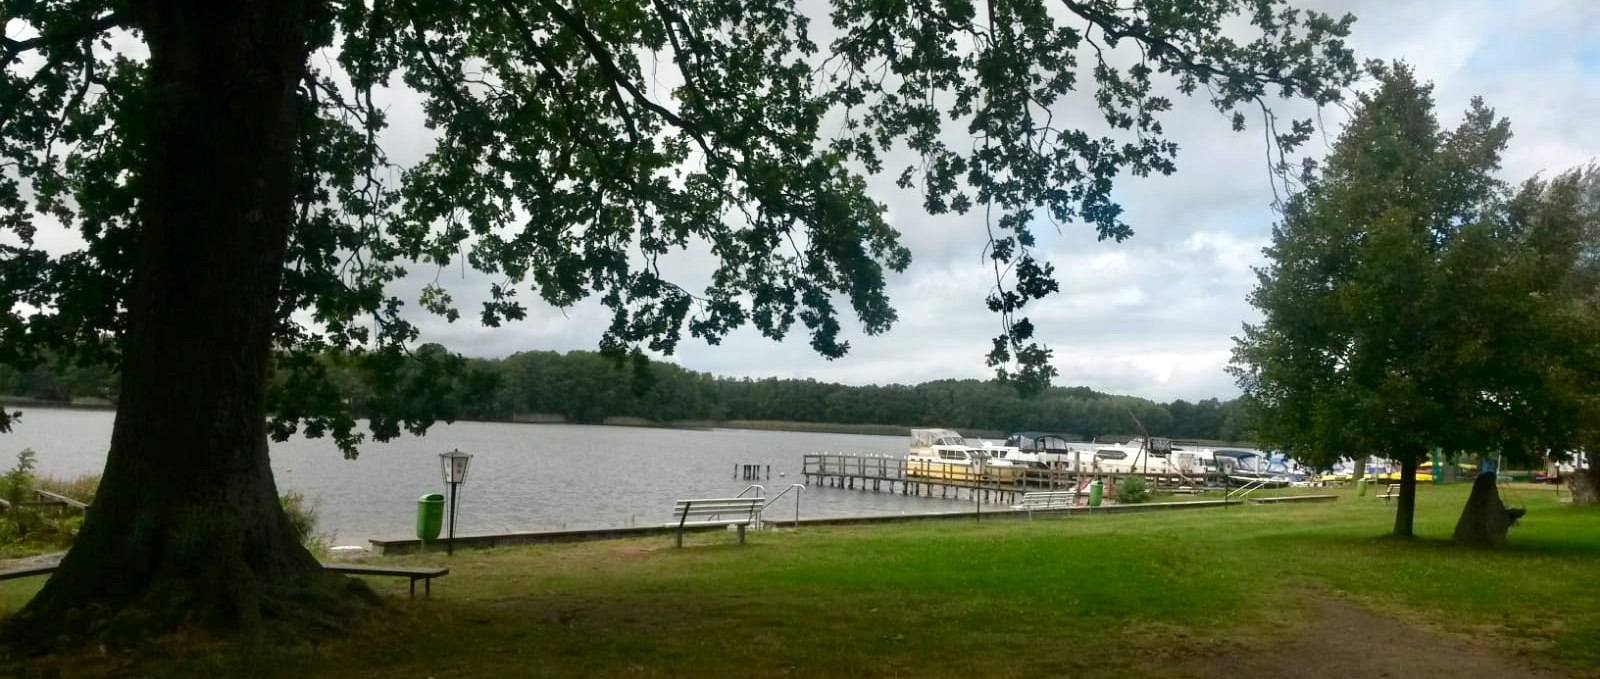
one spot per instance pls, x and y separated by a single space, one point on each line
223 165
563 167
1410 300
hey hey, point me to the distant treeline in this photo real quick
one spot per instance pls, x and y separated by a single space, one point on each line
584 386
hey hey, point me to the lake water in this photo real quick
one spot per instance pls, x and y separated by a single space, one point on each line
524 477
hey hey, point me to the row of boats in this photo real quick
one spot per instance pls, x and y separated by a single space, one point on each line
945 454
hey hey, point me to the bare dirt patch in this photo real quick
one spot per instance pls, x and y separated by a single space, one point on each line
1344 641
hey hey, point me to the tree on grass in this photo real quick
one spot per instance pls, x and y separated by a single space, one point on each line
221 162
1550 331
1410 301
16 488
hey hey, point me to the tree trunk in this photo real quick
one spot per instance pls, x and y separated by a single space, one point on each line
1360 469
186 528
1485 519
1585 485
1405 513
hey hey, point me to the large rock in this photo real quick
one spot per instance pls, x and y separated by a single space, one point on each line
1485 519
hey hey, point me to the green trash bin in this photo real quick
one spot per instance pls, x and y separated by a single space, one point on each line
430 516
1097 491
1361 487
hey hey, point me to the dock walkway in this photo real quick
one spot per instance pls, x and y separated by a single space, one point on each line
1003 485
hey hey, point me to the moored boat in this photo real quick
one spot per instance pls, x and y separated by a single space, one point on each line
945 455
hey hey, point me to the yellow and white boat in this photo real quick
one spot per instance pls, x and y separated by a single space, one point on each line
944 455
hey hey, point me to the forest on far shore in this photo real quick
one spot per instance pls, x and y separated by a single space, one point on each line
586 387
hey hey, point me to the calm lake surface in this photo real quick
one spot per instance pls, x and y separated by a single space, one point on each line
524 477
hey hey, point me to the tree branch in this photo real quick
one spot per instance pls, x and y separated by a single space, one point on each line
603 57
12 48
1116 28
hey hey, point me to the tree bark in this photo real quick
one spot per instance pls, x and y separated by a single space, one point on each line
1405 513
1485 519
187 529
1585 485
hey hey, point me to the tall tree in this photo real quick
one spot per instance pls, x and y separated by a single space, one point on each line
1549 316
239 210
1403 300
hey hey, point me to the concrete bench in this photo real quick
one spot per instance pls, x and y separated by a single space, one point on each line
1045 500
426 575
1393 491
739 511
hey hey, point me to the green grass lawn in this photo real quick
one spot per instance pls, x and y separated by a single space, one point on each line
1116 595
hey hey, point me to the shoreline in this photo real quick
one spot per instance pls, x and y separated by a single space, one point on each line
794 426
403 546
617 421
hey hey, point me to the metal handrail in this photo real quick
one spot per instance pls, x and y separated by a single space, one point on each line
792 486
753 485
1248 488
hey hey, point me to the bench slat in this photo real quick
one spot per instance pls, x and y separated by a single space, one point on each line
363 569
57 497
701 509
716 508
27 572
692 524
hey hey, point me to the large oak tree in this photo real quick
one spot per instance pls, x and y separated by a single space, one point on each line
220 161
1411 300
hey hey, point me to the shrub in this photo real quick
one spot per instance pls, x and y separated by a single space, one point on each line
16 488
81 488
302 517
1132 490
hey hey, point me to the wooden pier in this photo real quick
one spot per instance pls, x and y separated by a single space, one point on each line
1001 485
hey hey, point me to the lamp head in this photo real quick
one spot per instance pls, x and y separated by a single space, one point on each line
453 466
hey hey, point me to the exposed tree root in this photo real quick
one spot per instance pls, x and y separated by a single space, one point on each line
322 606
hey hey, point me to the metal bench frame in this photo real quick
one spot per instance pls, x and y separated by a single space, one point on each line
1393 491
1039 501
748 507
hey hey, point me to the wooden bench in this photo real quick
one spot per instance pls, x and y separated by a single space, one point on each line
1394 491
1284 499
426 575
57 498
27 572
741 512
1039 501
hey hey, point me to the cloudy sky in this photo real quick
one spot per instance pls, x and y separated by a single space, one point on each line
1154 316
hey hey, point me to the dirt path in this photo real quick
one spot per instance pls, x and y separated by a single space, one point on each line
1346 642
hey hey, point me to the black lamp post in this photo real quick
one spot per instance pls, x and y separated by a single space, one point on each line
453 466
